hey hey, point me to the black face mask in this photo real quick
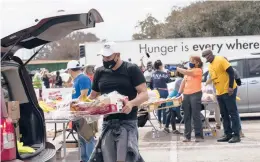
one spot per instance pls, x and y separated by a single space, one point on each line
109 64
149 68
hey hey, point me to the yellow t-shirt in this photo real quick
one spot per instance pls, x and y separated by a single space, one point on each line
219 76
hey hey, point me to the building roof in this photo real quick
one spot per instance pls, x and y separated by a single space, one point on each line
34 62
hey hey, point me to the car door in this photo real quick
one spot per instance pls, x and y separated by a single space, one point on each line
242 92
254 84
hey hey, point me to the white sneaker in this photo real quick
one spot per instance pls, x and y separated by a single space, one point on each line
160 125
242 135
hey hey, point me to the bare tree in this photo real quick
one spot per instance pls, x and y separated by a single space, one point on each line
150 28
66 48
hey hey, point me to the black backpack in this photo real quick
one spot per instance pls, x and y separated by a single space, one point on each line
143 118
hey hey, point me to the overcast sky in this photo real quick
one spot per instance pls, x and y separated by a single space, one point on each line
120 16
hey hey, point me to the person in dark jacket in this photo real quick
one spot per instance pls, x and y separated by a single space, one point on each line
46 79
159 81
58 80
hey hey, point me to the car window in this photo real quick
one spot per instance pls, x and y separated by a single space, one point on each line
3 106
239 66
5 89
254 67
4 97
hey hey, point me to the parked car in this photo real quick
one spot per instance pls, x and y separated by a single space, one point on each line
18 86
248 68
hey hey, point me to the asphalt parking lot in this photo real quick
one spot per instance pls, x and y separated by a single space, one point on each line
169 148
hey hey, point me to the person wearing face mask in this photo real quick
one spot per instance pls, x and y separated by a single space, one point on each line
223 78
82 88
191 89
119 138
148 73
173 112
159 81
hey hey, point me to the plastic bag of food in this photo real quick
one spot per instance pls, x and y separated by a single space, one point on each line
24 149
206 97
209 89
85 108
153 94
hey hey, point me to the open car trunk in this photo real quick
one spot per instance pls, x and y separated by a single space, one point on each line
48 30
18 82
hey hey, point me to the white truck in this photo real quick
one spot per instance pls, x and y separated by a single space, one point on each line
173 51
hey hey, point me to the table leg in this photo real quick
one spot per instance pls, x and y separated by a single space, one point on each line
154 114
180 124
206 120
153 125
155 132
208 126
55 131
64 142
79 147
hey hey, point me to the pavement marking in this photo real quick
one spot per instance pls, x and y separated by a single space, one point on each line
245 143
193 146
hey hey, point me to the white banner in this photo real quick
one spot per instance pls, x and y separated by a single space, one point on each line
64 94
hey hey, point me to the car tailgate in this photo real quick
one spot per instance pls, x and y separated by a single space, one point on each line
48 30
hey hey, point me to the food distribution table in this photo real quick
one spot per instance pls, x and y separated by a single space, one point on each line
64 124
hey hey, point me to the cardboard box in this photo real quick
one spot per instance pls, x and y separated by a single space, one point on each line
13 108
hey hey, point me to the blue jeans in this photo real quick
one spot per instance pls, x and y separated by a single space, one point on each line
163 94
162 114
240 127
86 148
171 117
229 113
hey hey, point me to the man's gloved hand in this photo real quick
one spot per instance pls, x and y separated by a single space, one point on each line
230 91
172 68
178 95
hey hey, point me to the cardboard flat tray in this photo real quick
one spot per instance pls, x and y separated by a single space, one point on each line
155 106
176 103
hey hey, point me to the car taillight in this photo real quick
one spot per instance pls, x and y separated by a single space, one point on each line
8 145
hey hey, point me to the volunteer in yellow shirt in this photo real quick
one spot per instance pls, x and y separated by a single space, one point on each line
222 76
